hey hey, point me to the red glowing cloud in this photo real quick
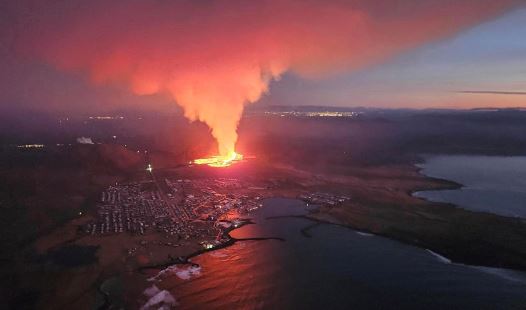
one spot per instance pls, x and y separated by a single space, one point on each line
213 57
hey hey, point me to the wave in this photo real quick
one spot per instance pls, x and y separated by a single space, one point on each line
439 257
182 273
188 273
158 299
361 233
151 291
507 274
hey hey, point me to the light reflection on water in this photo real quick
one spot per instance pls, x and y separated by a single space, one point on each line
335 269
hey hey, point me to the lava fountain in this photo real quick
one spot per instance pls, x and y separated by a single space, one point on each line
219 161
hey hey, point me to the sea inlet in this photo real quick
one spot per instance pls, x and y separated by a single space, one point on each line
331 267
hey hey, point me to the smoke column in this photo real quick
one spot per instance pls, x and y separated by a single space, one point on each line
215 56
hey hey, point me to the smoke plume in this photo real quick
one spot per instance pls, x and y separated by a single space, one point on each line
215 56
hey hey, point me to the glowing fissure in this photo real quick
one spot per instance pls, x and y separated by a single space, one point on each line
219 161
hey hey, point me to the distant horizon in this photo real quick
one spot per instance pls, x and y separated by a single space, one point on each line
250 109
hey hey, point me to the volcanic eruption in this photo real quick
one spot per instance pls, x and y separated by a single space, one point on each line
214 57
219 160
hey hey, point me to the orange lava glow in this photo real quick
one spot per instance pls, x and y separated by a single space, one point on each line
219 161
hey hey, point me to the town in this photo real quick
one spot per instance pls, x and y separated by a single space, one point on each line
181 209
178 208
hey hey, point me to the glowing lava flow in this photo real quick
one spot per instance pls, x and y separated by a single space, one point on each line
219 161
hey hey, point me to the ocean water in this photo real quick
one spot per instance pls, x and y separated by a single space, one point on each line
336 268
492 184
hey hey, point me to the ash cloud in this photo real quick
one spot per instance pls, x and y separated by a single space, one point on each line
214 57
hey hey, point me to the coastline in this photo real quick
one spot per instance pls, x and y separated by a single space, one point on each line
381 204
185 259
460 235
445 216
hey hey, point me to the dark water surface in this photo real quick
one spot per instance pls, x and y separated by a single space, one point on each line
337 268
493 184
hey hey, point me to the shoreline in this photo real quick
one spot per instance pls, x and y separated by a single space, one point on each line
432 184
442 258
444 231
185 260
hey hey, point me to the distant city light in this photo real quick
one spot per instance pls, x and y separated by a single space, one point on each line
106 117
313 114
30 146
149 168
